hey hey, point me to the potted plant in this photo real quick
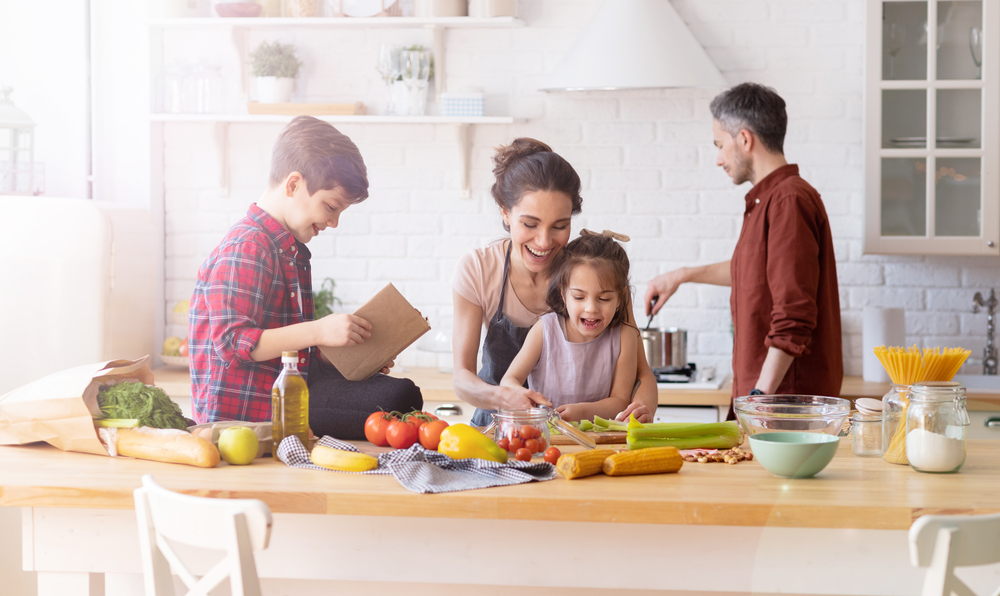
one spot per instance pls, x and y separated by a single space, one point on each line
274 67
324 300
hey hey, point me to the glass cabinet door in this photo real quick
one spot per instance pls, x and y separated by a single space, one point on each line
932 127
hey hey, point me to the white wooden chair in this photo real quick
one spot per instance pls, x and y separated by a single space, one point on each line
944 542
239 526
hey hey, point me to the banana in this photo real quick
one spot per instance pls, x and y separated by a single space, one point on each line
345 461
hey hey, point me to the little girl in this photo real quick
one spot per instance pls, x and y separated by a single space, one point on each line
582 355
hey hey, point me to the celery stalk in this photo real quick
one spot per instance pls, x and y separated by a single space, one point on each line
586 425
683 435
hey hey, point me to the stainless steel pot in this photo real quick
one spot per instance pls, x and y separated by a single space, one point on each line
665 348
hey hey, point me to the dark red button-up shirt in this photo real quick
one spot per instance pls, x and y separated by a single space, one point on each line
257 278
785 292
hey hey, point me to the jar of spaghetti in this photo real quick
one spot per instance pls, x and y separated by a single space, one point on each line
936 424
894 424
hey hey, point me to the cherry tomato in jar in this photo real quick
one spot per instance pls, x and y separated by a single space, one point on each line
542 444
401 434
375 427
531 445
528 432
523 454
504 443
552 455
430 433
514 444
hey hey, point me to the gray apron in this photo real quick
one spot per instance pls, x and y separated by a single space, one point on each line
503 341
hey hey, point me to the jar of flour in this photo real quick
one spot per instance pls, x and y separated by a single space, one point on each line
936 427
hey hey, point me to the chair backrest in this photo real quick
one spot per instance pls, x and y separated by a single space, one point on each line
238 526
975 541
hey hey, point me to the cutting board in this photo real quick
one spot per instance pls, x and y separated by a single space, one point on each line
609 437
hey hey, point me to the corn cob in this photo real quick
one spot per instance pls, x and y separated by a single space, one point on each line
345 461
582 463
654 460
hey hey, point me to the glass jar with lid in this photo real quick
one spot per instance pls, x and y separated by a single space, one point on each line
936 427
866 435
894 424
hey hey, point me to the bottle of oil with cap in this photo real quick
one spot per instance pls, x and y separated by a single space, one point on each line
290 402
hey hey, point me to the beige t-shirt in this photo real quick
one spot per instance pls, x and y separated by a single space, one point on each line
477 279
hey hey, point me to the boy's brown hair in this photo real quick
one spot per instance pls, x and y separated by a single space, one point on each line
609 260
325 157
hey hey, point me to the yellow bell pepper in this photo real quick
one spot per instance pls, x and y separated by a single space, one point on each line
461 441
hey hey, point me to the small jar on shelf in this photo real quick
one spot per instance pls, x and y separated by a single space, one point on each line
301 8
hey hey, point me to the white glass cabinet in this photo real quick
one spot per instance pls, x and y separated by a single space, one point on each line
932 141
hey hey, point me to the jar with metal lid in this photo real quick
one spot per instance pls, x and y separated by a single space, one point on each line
866 435
936 427
894 424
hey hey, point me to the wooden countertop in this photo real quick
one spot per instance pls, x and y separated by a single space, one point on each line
436 387
851 492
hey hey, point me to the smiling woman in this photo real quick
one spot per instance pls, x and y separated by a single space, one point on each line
502 287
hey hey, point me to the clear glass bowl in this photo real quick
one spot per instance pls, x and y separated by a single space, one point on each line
801 413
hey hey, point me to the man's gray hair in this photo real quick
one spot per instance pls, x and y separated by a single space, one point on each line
756 108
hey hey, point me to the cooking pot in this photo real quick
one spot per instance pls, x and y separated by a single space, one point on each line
665 348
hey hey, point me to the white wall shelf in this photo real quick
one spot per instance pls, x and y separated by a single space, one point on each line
374 119
355 22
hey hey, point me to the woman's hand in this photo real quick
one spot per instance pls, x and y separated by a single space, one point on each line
637 409
519 398
340 330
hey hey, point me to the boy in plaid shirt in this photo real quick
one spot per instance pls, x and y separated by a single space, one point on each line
253 297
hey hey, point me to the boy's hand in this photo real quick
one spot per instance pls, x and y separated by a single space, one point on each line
387 366
340 329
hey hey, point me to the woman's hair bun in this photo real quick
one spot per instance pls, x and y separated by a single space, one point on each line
520 148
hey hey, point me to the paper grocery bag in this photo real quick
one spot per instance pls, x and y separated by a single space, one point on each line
395 325
60 408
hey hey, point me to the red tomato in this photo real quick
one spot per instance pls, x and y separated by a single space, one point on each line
401 435
523 454
514 444
552 455
504 443
430 433
531 445
415 421
542 444
528 432
183 350
375 428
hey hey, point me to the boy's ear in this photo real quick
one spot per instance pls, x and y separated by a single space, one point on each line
292 182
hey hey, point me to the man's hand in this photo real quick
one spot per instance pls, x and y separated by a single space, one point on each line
662 288
339 330
637 409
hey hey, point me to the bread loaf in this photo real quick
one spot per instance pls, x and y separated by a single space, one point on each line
167 445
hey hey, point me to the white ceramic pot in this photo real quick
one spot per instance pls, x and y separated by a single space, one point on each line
492 8
274 89
439 8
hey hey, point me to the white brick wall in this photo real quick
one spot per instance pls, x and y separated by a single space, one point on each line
645 157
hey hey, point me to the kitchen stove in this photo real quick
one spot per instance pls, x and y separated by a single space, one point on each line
676 374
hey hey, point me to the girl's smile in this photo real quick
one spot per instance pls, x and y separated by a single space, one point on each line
589 305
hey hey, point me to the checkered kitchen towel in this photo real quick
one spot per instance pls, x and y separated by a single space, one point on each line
423 471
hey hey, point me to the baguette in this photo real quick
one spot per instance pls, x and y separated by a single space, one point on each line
167 445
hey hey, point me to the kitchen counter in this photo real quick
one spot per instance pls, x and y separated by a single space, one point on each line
78 522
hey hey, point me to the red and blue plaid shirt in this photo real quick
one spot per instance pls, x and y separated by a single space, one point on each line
257 278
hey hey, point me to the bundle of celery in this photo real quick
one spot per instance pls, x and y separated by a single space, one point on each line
683 435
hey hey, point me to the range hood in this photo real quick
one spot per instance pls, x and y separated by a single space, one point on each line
635 44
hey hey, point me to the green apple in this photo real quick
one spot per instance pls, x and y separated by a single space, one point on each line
172 346
238 445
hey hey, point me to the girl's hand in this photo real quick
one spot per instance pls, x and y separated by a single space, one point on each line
340 329
519 398
637 409
572 412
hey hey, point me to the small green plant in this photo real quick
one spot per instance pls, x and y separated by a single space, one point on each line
420 48
275 60
324 300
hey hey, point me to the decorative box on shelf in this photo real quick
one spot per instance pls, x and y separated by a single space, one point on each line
462 104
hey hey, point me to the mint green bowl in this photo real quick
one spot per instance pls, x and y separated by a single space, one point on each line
794 454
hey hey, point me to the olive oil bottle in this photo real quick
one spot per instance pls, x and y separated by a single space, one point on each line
290 403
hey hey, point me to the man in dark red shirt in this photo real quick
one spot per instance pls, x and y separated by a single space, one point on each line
785 300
